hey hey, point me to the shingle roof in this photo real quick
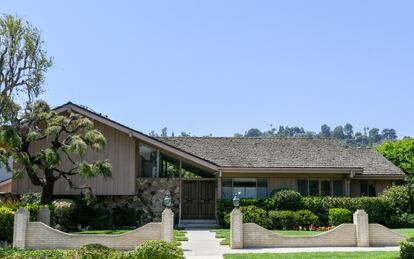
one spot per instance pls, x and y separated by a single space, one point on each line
283 153
373 162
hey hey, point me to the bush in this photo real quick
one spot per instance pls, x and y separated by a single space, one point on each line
404 220
225 206
31 198
406 250
35 254
284 199
397 198
337 216
378 208
284 219
62 213
155 249
253 214
6 224
123 216
305 218
91 213
94 251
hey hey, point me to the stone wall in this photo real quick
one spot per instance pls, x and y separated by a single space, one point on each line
37 235
149 198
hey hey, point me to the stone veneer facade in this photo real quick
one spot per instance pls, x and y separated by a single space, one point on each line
149 198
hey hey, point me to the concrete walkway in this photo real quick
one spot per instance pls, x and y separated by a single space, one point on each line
203 244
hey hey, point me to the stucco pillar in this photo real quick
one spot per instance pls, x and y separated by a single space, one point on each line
167 225
43 215
21 218
362 228
236 229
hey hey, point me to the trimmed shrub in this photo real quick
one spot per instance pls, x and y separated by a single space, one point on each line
406 250
62 213
155 249
378 208
284 199
253 214
397 198
305 218
94 251
225 206
35 254
6 224
91 213
123 216
404 220
337 216
283 219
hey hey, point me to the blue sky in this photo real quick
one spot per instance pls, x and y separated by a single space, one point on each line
222 67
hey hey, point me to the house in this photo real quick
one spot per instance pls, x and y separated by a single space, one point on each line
5 181
199 170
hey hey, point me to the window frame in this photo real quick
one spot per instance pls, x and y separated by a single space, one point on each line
257 191
320 180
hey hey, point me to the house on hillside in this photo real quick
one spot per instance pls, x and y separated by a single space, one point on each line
199 170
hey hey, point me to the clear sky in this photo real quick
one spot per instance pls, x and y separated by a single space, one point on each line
222 67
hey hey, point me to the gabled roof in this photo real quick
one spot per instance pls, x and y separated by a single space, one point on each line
284 153
373 162
132 132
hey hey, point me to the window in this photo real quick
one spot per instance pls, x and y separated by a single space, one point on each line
338 188
247 187
148 157
320 187
303 187
169 167
368 189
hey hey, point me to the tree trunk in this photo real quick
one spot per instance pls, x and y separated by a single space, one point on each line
47 188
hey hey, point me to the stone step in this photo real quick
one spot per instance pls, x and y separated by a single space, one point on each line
203 224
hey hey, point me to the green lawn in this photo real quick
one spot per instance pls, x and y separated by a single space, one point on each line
225 233
179 235
313 255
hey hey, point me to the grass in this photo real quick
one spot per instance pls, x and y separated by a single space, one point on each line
179 235
225 233
313 255
407 232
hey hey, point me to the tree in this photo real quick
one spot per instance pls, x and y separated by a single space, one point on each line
338 132
401 154
63 137
164 132
389 134
374 136
23 64
253 133
325 131
348 130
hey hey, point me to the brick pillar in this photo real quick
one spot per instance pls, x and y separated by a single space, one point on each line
236 229
362 227
21 218
43 215
167 225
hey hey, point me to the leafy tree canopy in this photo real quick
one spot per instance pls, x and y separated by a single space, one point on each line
23 64
62 136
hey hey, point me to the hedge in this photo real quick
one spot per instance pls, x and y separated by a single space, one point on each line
389 209
338 216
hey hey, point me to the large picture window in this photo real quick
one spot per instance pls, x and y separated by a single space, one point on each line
315 187
247 187
156 164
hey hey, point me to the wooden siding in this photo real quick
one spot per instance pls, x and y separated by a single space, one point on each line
120 150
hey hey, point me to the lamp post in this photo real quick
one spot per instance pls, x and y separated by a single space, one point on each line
236 200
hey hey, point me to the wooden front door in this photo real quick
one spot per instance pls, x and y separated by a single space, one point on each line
198 201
